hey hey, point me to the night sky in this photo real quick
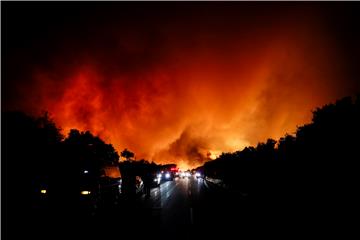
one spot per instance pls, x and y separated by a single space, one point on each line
179 82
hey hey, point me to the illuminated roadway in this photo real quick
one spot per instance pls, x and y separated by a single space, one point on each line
184 205
174 201
176 209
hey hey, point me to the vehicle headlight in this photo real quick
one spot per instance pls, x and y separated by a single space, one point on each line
197 174
85 192
43 191
159 175
167 175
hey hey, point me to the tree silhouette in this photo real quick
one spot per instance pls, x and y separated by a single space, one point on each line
92 152
32 150
317 166
38 157
127 154
316 169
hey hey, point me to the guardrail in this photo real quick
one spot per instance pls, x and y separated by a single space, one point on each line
218 182
221 185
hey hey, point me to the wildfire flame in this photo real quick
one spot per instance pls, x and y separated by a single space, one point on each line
184 93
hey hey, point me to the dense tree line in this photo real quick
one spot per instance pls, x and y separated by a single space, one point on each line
37 156
316 166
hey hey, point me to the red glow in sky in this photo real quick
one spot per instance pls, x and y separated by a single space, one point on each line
184 87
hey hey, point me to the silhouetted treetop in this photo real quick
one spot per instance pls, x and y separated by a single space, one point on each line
322 157
90 149
127 154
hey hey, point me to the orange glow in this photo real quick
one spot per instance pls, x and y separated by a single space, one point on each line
112 172
196 93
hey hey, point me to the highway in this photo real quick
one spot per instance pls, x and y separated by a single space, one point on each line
183 207
179 209
175 202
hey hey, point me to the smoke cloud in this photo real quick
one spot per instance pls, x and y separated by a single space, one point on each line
174 88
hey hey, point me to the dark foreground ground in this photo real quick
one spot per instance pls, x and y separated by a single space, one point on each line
187 208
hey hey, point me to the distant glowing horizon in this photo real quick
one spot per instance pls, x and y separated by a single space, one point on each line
174 89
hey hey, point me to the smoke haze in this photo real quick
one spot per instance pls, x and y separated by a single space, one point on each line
181 84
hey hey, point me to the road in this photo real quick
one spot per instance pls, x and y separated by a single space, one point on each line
174 203
186 207
194 208
182 208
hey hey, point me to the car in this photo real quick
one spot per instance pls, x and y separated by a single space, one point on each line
167 176
85 194
102 192
110 190
185 174
198 175
168 172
